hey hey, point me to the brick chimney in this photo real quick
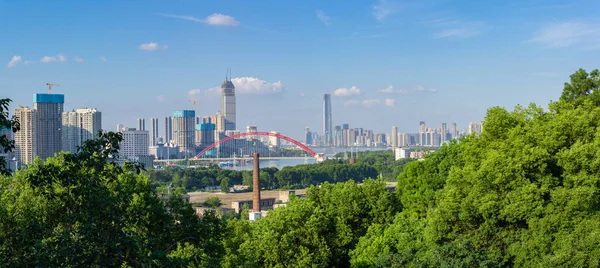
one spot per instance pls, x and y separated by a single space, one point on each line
256 185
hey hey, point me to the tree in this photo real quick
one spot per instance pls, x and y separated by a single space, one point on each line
317 231
213 202
6 144
524 193
225 184
81 209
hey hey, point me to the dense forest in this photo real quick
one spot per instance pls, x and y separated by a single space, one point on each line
524 193
368 165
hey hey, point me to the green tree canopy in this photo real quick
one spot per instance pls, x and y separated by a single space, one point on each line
525 193
81 210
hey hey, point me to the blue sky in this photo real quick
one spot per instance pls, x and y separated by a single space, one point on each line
386 62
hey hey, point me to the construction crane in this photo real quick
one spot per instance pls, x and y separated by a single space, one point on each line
50 85
193 101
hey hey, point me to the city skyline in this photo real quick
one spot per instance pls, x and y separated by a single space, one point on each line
399 61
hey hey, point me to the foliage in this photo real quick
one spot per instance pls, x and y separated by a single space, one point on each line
318 231
213 202
300 176
80 210
6 144
525 193
383 161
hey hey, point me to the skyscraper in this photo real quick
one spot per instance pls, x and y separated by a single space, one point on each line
474 127
327 122
48 112
79 126
422 135
168 129
443 132
25 140
309 138
153 131
141 123
454 131
228 103
394 137
184 131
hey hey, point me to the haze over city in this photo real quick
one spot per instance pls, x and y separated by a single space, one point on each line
384 62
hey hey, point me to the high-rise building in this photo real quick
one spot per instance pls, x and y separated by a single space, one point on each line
48 112
443 132
153 131
184 131
228 103
327 122
274 140
454 131
79 126
475 127
251 128
134 144
205 134
25 138
308 136
141 124
168 129
422 135
394 137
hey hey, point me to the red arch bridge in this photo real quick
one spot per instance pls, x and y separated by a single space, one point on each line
243 145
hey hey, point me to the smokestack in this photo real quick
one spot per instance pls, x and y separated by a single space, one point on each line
256 185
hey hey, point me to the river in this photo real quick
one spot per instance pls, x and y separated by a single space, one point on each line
279 164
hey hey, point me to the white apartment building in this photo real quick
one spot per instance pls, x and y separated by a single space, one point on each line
402 153
135 143
79 126
25 139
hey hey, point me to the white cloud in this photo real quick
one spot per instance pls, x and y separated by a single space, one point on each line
422 89
14 61
78 59
102 58
383 9
57 58
565 34
323 17
345 92
152 46
246 85
221 20
253 85
160 98
390 102
390 90
214 19
369 103
194 92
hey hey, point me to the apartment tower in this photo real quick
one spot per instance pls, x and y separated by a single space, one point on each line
48 112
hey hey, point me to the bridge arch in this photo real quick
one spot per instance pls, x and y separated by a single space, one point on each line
245 134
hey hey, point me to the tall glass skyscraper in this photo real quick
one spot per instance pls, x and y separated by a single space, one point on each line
327 123
228 103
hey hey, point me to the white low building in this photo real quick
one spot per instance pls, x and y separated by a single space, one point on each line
402 153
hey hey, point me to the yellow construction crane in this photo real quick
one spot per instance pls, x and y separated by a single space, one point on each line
193 101
50 85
